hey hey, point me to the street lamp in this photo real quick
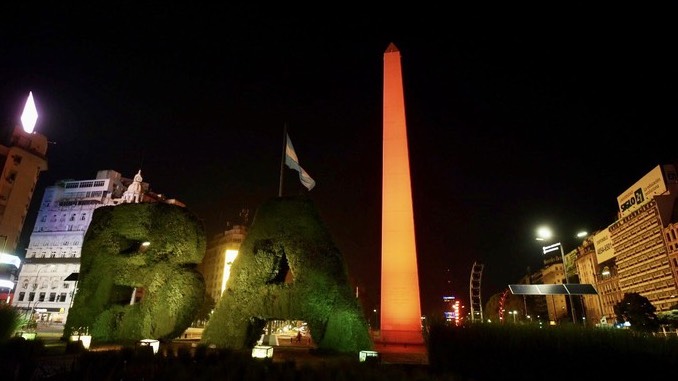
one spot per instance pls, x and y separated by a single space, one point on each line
545 234
514 313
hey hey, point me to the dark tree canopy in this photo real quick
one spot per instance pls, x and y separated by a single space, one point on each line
288 268
638 311
162 276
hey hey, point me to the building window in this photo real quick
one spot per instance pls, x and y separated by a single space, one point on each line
11 177
22 295
52 296
41 298
62 297
83 216
31 296
72 217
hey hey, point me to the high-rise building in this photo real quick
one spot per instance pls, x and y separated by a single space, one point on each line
48 278
636 253
22 158
220 253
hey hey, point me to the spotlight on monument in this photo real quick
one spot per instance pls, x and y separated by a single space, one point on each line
262 351
86 340
155 344
365 356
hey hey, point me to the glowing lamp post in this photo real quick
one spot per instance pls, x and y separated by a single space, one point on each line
545 234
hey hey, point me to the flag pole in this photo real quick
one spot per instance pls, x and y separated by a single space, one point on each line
282 160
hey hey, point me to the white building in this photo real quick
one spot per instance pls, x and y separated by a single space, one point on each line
48 278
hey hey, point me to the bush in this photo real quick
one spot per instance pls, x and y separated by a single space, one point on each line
10 321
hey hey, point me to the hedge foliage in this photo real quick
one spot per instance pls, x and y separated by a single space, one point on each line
288 268
114 262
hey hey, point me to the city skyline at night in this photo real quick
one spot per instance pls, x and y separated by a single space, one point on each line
508 128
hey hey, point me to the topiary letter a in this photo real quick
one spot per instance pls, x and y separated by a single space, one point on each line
288 268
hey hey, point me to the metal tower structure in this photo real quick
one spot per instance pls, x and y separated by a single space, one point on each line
474 290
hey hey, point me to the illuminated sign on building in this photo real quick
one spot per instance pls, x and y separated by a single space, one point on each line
644 189
603 245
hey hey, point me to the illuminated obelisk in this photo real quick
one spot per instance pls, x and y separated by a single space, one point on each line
400 306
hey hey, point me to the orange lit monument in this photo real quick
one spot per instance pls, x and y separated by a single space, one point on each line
400 306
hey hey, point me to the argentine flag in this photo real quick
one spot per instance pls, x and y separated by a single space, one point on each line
292 161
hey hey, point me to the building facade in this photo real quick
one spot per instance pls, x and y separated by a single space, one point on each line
638 253
22 160
553 272
221 251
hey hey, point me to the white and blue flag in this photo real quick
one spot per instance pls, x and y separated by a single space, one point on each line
292 161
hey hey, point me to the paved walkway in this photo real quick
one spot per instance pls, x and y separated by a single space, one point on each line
287 348
402 353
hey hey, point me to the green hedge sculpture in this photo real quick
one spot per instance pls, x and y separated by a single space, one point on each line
115 264
288 268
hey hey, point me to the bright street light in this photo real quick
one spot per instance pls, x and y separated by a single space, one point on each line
545 234
514 313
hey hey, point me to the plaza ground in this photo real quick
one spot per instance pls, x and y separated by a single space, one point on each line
286 348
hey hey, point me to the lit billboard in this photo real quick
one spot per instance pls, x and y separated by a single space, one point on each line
642 191
602 242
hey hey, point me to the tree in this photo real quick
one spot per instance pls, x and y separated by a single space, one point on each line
669 318
10 321
205 311
638 312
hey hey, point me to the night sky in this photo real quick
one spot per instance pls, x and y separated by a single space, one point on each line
513 122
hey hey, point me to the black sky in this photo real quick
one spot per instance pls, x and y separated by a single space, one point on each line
513 121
